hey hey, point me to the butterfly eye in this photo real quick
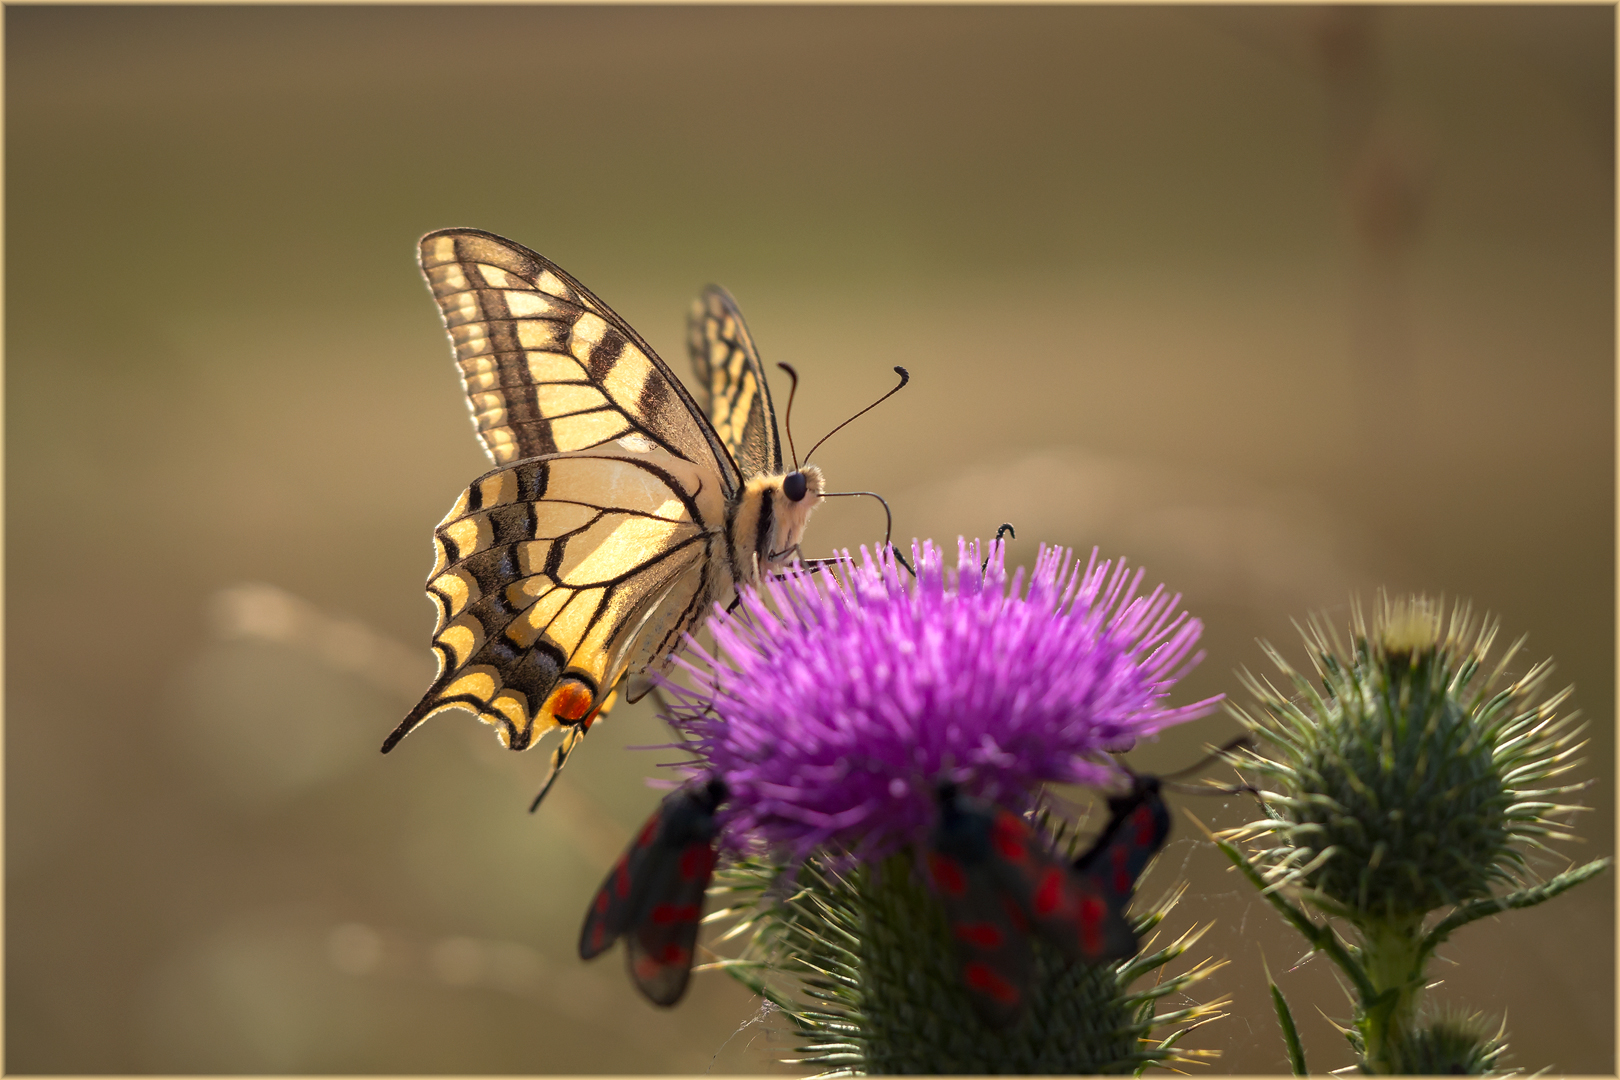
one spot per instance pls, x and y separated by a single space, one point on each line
794 485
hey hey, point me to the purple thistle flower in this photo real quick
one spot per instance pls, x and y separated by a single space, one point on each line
838 703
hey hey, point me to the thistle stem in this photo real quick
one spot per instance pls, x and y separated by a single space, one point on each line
1392 955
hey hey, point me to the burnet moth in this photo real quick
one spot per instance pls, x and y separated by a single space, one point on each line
653 897
998 883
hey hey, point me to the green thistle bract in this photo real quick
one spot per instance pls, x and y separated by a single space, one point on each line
1453 1043
1407 782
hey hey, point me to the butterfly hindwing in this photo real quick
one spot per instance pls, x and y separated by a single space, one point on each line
653 897
731 383
547 366
556 575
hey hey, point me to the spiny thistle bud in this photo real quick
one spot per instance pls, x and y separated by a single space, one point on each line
1453 1043
1407 782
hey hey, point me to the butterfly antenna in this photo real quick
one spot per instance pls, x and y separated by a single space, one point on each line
787 421
905 377
1005 529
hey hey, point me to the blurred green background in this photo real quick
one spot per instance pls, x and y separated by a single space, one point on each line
1282 303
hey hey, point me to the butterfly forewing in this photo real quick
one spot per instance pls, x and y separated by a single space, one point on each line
547 366
556 575
731 383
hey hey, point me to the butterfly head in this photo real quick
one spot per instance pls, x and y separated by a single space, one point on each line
800 492
771 517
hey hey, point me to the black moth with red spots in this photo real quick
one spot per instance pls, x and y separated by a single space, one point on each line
999 882
653 897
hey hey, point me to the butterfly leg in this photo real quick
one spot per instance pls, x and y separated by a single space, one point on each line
901 559
572 736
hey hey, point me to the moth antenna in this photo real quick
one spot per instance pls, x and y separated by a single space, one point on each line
787 420
1211 788
905 377
1240 741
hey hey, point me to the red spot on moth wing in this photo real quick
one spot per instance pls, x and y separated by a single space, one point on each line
982 978
1010 836
1091 913
948 876
697 862
1122 882
1048 896
984 935
1146 827
602 902
668 914
661 952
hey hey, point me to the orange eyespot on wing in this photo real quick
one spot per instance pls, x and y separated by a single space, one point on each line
571 702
